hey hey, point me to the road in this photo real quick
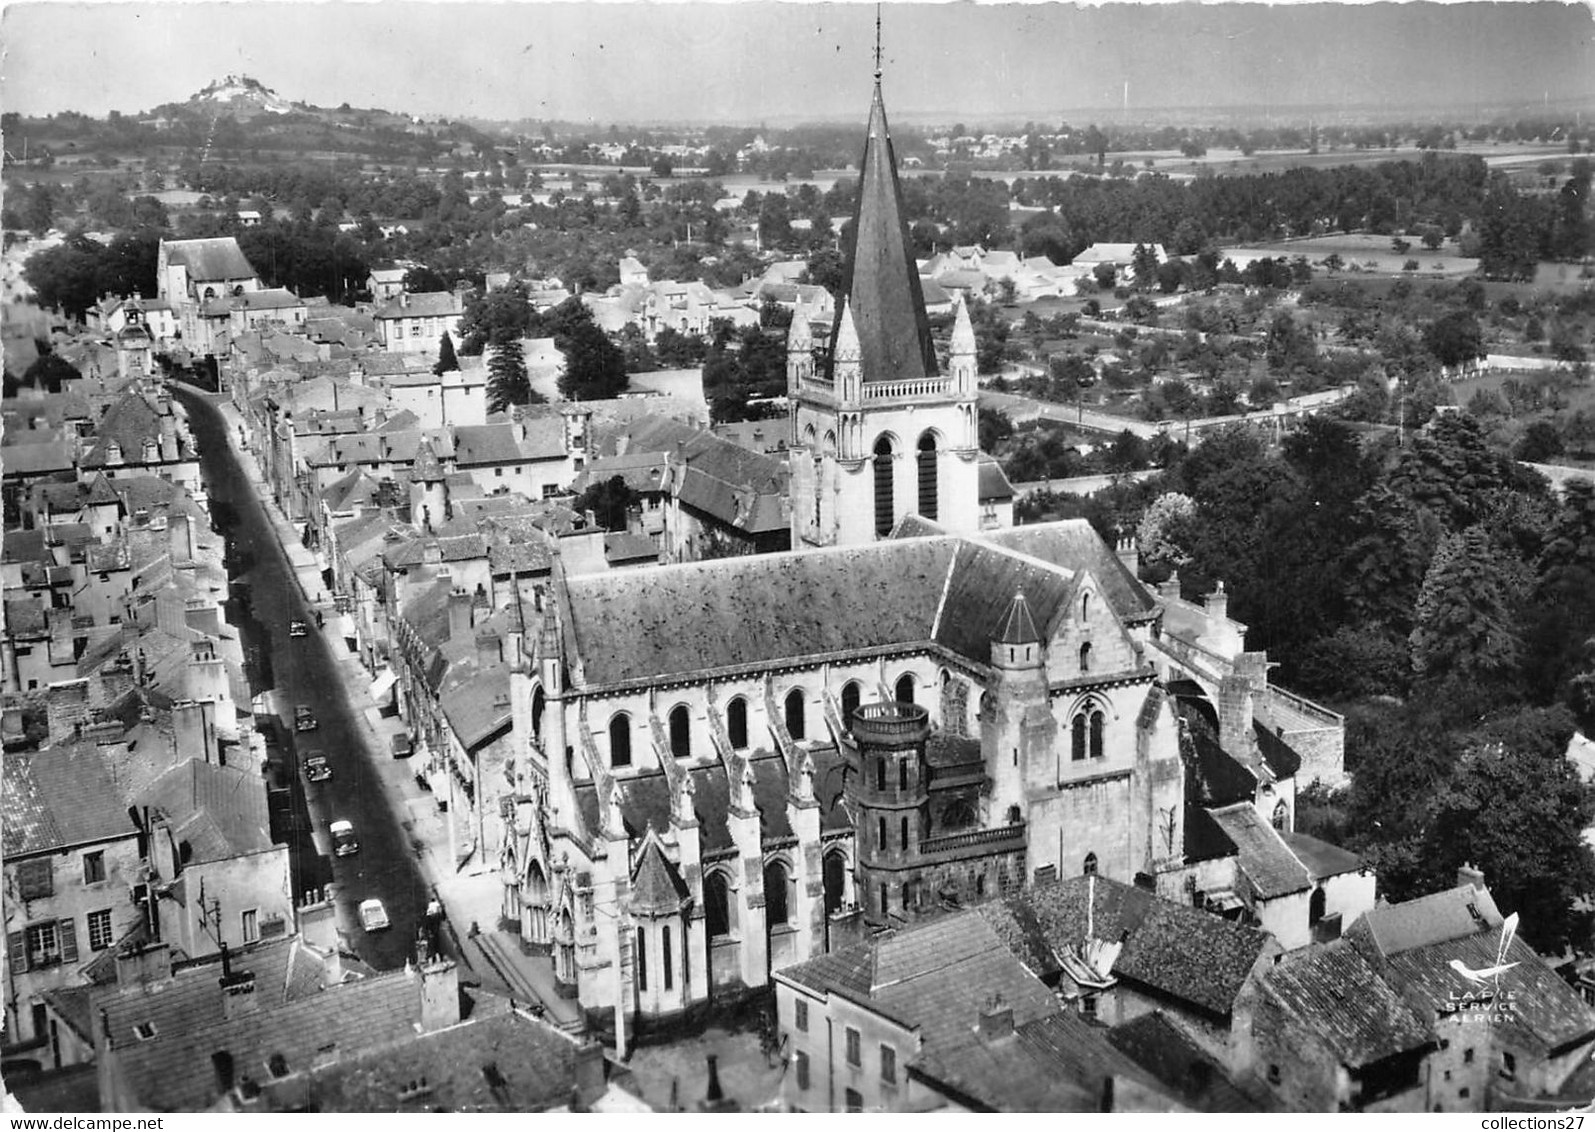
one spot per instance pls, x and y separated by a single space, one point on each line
304 671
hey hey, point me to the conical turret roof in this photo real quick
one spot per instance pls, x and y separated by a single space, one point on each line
882 279
963 341
1020 627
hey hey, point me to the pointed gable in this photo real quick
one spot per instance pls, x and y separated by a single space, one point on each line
882 280
656 888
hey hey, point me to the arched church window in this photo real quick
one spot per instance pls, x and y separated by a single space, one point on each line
904 693
850 698
642 959
1090 868
1281 815
884 501
880 833
1085 657
1085 606
927 476
795 714
1013 815
1077 750
620 740
717 904
777 907
680 732
1315 907
538 705
737 722
1098 720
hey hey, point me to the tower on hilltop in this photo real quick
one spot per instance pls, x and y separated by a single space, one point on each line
877 430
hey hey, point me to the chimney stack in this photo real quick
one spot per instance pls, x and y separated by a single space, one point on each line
995 1021
460 610
440 995
1169 588
1469 876
1129 553
1235 733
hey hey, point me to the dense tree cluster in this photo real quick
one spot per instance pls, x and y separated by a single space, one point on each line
1445 594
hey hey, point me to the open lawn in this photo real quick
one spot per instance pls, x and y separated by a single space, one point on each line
1370 253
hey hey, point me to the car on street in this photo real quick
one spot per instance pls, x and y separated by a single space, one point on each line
317 768
344 842
401 745
373 916
304 718
298 629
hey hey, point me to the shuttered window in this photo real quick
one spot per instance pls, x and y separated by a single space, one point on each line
35 879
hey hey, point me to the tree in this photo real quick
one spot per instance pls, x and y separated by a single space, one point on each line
507 380
447 362
1465 625
1454 339
1516 809
608 500
1539 443
497 316
994 427
1162 529
595 368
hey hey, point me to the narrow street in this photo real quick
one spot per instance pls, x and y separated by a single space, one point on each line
303 671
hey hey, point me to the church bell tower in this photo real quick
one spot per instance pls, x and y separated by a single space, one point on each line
877 430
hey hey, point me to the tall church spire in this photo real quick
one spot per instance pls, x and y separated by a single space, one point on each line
882 279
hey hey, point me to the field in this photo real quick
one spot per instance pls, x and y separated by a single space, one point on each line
1367 252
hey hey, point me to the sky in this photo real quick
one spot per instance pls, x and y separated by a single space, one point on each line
752 62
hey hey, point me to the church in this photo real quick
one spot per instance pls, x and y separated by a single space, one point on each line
727 767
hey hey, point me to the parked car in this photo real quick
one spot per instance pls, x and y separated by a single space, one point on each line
298 629
317 768
402 746
304 718
373 916
344 842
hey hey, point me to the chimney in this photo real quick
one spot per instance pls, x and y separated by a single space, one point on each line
440 995
995 1021
589 1073
1235 733
1217 606
1169 588
404 298
1129 553
181 538
518 422
1469 876
142 965
489 649
460 609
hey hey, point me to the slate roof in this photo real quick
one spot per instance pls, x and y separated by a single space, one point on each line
1456 913
1543 1012
61 797
1265 860
640 471
881 279
498 1061
1163 1050
129 422
495 443
422 304
993 480
656 886
220 811
758 610
1337 997
25 546
172 1071
646 803
1221 779
937 976
1181 954
1073 541
1056 1063
627 548
209 260
1321 858
36 459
